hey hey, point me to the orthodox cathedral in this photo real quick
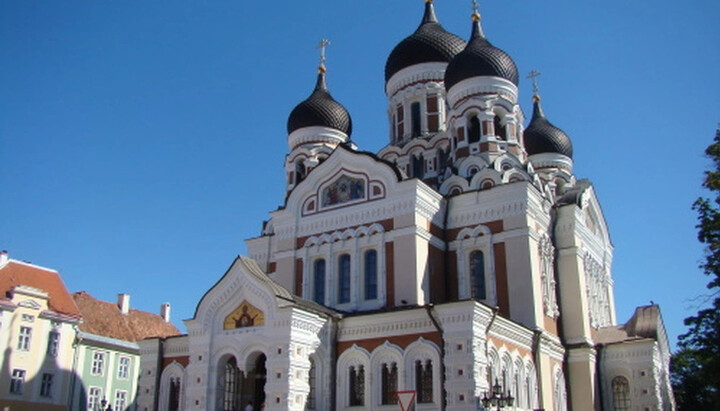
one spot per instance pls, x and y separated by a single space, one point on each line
464 264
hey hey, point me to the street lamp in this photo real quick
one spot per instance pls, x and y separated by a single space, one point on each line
498 398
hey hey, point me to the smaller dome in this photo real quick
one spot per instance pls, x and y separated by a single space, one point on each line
320 110
541 136
480 59
429 43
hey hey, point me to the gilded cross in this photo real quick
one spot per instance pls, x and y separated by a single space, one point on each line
323 43
534 74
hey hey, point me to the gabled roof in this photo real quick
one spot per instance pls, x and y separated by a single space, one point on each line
105 319
15 273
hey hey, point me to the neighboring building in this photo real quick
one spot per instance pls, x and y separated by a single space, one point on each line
38 320
108 356
465 252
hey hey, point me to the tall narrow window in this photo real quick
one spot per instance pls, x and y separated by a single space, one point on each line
98 363
312 381
424 381
389 383
299 171
371 275
344 279
46 385
230 387
120 400
123 368
499 129
53 343
621 394
474 130
174 395
418 166
17 381
357 385
94 394
415 119
319 281
433 117
24 339
400 117
477 275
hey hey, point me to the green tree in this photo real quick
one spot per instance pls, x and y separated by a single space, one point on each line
696 366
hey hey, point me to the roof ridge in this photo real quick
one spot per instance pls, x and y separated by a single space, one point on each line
28 264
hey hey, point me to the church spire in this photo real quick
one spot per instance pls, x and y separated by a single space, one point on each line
429 16
477 30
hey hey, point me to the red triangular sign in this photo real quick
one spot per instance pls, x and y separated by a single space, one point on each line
406 400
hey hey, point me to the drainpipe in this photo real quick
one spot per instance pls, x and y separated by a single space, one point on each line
487 333
537 334
332 372
446 254
443 403
599 350
74 376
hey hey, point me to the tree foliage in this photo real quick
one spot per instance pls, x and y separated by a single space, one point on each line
696 367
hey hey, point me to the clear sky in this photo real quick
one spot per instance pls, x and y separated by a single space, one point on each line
142 142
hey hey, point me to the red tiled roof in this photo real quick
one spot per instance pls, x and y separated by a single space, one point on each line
104 318
16 273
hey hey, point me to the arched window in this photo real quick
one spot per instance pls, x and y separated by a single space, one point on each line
344 279
499 129
477 275
312 382
474 130
424 381
299 171
371 275
389 383
230 385
418 166
357 385
174 395
621 394
319 281
415 119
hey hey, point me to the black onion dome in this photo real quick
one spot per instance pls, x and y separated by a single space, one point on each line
320 109
541 136
480 58
429 43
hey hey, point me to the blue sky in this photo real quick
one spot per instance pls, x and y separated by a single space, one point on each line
142 142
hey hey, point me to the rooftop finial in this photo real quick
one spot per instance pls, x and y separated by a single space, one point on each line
476 13
323 43
477 31
534 74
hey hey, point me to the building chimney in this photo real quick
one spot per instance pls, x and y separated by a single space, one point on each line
124 303
165 312
3 257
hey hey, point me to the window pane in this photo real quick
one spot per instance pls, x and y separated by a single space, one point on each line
370 275
415 119
319 281
621 394
344 279
477 275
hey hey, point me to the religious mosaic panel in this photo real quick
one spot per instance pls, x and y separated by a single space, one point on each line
246 315
343 190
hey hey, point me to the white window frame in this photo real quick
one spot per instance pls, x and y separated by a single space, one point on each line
94 397
98 363
124 369
46 385
479 238
24 338
120 402
17 381
53 343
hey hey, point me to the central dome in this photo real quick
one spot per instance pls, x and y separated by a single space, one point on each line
429 43
480 59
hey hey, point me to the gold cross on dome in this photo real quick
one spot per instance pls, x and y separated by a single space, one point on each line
323 43
534 74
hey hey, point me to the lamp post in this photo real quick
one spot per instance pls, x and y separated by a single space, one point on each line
498 398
